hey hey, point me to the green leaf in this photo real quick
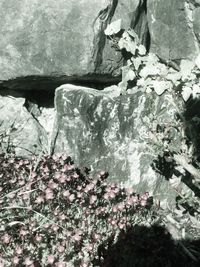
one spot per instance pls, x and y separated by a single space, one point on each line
195 90
137 62
149 70
186 93
160 86
127 74
173 76
113 28
127 43
141 50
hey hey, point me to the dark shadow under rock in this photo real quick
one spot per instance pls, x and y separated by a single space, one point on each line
141 246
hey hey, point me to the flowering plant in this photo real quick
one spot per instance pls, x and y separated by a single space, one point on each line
54 214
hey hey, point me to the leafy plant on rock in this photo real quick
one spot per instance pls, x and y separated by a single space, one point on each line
146 72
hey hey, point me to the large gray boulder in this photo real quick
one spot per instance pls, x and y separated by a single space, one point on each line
108 131
59 37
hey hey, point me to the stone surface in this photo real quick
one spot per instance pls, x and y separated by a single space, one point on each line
58 37
171 29
106 131
196 18
19 131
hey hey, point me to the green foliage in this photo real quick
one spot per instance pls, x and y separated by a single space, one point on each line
149 73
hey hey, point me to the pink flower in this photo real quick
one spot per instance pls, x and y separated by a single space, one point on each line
6 238
18 250
115 209
28 261
79 187
61 249
68 178
77 236
134 199
113 222
79 195
145 196
55 227
129 190
23 232
106 196
49 196
66 193
93 198
52 184
120 206
15 260
71 197
60 264
89 187
38 238
111 194
143 202
76 175
62 217
96 237
57 175
121 225
71 167
50 259
39 200
62 179
89 247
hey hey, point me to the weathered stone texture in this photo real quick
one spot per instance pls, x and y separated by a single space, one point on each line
19 131
57 37
106 131
171 29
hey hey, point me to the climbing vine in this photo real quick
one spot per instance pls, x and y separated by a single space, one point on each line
146 72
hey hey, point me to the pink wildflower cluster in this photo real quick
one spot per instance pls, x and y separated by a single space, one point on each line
54 214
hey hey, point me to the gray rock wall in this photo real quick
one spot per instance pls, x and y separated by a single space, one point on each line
65 38
174 28
58 37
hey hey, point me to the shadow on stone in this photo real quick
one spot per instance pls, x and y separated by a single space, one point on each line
142 246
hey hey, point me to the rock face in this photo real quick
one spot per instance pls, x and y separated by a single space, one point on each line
19 131
65 39
58 37
174 28
106 131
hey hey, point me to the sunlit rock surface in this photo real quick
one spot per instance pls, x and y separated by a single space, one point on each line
173 28
59 37
107 131
20 132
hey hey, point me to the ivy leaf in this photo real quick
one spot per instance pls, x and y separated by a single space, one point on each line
160 86
137 62
127 73
195 90
141 50
127 43
173 76
149 70
113 28
186 93
197 61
